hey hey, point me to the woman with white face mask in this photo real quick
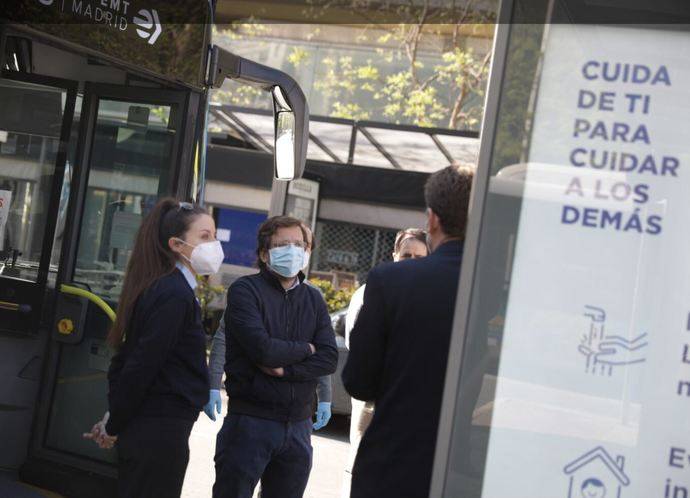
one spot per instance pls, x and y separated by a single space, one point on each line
158 381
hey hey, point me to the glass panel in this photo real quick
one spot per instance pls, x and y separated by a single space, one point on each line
366 154
464 150
575 377
413 150
64 194
476 395
263 125
130 168
316 153
335 136
30 124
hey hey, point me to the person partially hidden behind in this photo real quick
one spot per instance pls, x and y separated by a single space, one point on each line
399 349
280 341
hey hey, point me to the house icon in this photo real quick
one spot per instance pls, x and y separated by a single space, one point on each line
596 475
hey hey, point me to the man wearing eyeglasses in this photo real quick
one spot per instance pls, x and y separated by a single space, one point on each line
280 341
216 363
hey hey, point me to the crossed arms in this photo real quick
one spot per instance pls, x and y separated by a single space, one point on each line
290 360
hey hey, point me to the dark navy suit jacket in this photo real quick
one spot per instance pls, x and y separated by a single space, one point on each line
398 354
161 370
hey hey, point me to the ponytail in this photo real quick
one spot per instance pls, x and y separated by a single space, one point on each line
151 257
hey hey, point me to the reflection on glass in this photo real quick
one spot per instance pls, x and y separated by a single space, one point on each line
475 403
366 153
30 124
129 170
285 146
335 136
64 193
412 150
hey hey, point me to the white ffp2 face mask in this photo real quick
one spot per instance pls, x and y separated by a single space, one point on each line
206 258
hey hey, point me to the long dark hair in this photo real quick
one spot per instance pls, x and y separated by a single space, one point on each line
151 257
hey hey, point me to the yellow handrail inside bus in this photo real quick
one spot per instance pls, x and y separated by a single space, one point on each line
9 306
77 291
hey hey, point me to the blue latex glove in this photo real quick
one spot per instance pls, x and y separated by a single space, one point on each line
323 415
214 401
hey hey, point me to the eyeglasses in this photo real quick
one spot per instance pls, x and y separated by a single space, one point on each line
188 206
285 243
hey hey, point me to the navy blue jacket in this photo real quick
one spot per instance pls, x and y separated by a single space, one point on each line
269 326
161 370
398 354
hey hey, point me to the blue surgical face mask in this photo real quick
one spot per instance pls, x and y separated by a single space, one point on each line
287 260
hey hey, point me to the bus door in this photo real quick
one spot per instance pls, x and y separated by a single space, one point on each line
131 150
35 125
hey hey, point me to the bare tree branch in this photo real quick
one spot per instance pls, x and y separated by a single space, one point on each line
457 107
429 80
471 83
465 13
412 45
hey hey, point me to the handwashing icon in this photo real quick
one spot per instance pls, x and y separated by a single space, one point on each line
605 351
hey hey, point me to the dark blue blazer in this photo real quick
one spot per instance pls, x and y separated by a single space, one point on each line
160 370
398 354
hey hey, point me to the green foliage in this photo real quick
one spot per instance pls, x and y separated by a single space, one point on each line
232 92
207 293
335 299
448 94
515 114
241 95
395 83
349 111
297 56
162 113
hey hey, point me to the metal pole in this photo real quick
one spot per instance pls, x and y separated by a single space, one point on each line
278 197
374 260
463 304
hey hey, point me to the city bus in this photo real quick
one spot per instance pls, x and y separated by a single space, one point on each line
103 107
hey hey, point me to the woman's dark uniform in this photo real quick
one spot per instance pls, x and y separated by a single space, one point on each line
158 383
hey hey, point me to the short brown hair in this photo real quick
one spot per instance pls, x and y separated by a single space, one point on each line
447 194
410 233
309 237
268 229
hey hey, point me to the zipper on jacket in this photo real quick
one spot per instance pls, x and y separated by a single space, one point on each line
287 333
287 317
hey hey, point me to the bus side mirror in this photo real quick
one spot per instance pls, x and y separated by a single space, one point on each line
290 109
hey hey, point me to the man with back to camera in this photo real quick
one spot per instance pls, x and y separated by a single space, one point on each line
280 340
409 243
399 349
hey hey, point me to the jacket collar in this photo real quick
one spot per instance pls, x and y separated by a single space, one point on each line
275 282
449 248
188 275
